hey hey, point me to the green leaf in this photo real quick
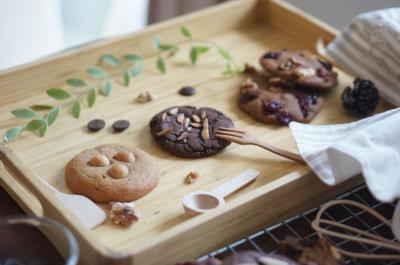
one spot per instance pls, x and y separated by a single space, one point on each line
34 125
161 65
58 93
96 72
196 51
75 82
91 97
42 130
51 116
126 77
110 59
193 55
137 69
241 68
167 47
133 58
12 133
41 107
106 89
224 53
228 70
76 109
25 113
156 41
186 32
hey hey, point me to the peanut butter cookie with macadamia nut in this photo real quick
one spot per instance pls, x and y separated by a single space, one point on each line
112 172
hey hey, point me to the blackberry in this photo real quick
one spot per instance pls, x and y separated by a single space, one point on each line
362 99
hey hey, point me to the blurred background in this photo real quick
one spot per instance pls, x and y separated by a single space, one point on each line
33 29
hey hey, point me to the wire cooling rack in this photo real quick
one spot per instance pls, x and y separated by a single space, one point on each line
267 240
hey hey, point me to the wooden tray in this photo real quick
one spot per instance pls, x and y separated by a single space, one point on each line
165 234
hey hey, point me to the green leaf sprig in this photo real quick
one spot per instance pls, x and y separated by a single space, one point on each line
128 66
197 49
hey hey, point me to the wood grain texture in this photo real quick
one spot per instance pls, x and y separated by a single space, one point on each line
247 29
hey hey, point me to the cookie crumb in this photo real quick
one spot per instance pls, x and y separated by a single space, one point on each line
144 97
191 177
123 213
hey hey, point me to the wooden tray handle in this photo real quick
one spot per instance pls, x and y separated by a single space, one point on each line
11 167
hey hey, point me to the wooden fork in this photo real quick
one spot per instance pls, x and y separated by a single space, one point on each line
245 138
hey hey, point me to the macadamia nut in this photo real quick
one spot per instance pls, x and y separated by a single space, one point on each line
125 156
99 161
118 171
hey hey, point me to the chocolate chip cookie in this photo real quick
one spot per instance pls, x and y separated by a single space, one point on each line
300 68
187 131
274 105
112 172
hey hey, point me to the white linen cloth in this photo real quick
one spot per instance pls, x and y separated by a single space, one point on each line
369 47
370 146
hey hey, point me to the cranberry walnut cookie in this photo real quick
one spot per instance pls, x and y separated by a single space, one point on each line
112 173
275 105
300 68
188 131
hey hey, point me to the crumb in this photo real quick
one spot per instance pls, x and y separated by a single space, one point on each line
144 96
191 177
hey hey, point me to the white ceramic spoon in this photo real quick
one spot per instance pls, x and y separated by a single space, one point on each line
84 209
202 201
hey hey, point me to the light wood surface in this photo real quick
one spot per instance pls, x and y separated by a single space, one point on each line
164 234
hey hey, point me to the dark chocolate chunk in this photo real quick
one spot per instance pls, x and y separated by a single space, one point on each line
187 91
96 125
120 125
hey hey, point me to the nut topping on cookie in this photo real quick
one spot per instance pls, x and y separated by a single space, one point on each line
205 134
180 118
125 156
196 118
118 171
164 132
173 111
99 161
123 213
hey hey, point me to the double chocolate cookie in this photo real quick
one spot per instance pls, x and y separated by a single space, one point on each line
187 131
112 172
299 68
277 106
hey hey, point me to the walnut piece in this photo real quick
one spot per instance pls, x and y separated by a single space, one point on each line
144 97
249 88
123 213
191 177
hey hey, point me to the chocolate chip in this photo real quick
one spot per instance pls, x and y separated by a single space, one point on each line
121 125
187 91
96 125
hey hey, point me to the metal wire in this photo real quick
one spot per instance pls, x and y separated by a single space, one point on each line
267 240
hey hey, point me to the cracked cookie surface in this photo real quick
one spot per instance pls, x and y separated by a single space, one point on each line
187 131
96 173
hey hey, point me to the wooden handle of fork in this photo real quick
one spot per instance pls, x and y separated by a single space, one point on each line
280 152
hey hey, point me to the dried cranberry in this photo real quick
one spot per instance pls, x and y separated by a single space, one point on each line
305 103
271 106
322 72
272 55
326 65
284 117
